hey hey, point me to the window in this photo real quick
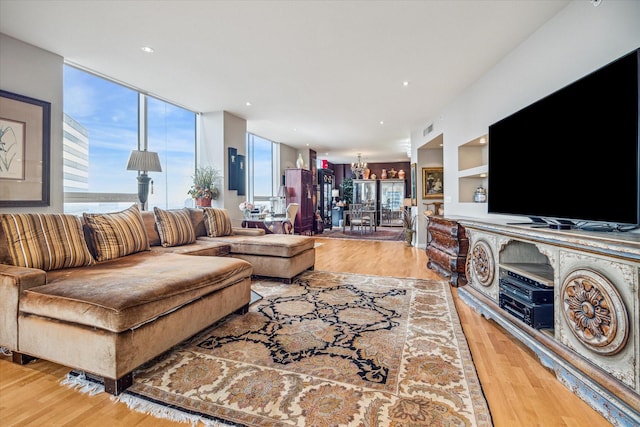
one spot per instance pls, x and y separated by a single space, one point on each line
172 133
263 168
101 127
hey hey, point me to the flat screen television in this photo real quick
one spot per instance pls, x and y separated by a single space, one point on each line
572 159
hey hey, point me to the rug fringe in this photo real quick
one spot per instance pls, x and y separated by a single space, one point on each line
161 411
80 382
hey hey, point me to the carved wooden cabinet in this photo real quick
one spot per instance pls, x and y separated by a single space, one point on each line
587 331
447 247
301 190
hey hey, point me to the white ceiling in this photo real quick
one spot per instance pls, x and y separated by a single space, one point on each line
317 73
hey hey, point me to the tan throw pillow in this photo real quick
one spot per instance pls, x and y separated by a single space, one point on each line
174 227
217 222
117 234
46 241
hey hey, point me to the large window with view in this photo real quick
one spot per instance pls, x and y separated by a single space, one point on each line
262 167
103 122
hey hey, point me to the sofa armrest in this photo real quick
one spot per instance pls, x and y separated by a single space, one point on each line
248 231
14 280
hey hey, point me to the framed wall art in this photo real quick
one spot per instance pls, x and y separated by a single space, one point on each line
25 139
414 184
432 183
241 175
232 165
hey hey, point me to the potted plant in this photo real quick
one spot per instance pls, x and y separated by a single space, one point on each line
204 187
347 190
408 223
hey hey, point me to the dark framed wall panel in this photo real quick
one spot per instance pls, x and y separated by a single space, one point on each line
241 175
232 164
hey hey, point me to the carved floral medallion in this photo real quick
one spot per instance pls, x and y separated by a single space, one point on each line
594 311
482 264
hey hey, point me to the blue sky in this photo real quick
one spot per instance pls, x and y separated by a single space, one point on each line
109 112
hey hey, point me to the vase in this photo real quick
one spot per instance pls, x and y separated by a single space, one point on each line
203 202
300 162
367 172
383 175
408 237
401 174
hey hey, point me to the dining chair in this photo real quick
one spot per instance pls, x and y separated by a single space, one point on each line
358 217
292 211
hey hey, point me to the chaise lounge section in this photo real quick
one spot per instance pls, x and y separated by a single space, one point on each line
109 313
281 256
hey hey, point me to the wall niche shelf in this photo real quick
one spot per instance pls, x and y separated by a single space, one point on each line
472 167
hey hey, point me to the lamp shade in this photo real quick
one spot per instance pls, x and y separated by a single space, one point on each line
143 160
335 193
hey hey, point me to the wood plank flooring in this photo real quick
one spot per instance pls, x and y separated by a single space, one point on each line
520 391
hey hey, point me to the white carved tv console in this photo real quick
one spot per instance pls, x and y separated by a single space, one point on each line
594 344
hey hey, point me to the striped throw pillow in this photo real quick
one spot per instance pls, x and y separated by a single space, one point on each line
117 234
46 241
217 222
174 227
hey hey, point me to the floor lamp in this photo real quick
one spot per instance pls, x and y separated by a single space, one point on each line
143 161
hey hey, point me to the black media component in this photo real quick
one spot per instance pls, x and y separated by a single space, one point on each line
524 279
526 292
527 299
538 316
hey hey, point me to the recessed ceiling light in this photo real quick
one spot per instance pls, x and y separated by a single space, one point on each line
248 104
147 49
405 83
381 122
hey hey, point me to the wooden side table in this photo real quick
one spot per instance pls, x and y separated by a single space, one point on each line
447 247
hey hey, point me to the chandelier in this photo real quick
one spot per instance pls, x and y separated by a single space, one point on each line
358 168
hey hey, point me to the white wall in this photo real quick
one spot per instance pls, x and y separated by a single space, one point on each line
577 41
36 73
218 131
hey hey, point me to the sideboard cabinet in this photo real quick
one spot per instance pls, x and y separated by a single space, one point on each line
572 297
447 247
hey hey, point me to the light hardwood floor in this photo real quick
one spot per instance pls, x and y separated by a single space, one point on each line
519 390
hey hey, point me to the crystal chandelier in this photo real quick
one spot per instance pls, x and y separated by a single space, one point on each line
358 168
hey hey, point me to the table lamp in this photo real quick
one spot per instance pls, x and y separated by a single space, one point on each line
335 194
143 161
282 199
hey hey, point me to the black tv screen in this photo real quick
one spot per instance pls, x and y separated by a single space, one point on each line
573 155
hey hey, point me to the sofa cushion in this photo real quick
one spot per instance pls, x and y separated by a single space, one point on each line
116 234
127 292
197 219
174 227
45 241
273 245
151 228
199 247
217 222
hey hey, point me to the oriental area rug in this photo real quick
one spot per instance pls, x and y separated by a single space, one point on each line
330 349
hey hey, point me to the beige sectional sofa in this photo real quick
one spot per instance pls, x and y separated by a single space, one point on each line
282 256
106 296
